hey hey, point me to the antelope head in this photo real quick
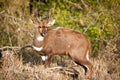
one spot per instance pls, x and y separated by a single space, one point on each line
43 26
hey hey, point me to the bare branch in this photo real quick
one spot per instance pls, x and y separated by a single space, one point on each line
10 47
2 12
74 4
86 6
92 22
65 70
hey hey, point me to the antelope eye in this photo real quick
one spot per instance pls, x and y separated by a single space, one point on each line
46 27
39 27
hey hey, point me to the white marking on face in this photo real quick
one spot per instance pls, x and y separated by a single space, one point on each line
40 38
87 56
37 48
44 57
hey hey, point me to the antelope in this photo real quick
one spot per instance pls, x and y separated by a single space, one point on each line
61 41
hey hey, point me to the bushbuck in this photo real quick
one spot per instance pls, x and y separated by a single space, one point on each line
60 41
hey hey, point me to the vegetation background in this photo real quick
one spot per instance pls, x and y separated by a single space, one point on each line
99 20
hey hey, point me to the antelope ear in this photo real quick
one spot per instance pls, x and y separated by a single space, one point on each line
50 23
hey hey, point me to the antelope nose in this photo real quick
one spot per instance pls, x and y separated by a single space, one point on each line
44 32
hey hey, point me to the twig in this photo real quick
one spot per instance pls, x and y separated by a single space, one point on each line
74 4
2 12
86 6
95 21
21 28
65 70
58 67
10 47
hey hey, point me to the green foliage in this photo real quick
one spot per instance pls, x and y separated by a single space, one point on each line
97 19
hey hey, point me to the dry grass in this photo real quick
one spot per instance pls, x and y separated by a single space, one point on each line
13 69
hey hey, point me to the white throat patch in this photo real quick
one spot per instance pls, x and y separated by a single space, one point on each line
37 48
40 38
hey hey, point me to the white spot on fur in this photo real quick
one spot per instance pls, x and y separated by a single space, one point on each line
87 56
40 38
44 57
87 68
37 48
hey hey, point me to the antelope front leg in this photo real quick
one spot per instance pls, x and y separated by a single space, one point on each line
47 61
44 59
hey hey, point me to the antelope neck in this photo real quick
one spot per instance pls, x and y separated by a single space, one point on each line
40 38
